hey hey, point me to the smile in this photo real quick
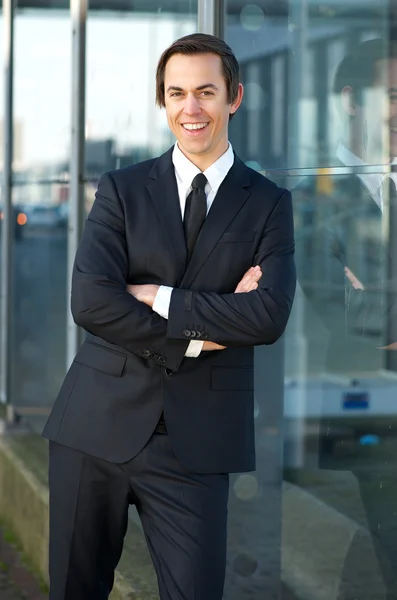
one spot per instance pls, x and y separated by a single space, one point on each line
194 126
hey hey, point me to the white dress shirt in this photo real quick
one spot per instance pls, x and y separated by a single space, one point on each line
185 172
372 181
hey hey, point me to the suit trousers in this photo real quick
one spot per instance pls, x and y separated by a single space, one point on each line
183 514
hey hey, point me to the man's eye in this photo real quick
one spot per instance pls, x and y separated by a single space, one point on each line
207 93
174 94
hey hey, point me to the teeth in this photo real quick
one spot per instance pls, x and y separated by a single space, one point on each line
193 126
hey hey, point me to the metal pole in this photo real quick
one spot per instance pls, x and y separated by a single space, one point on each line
78 10
297 345
6 237
211 17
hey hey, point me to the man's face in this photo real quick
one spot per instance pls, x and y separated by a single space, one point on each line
376 116
390 69
197 106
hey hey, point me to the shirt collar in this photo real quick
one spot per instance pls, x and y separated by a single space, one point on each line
372 181
186 171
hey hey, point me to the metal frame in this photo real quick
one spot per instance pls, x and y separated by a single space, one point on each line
78 12
6 283
211 17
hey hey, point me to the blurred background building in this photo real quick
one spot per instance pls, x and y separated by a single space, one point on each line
320 514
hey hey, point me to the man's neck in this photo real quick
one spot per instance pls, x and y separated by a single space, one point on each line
204 161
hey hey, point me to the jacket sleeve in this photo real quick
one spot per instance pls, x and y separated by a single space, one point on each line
100 303
245 319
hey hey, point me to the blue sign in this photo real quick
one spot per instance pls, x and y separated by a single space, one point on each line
355 401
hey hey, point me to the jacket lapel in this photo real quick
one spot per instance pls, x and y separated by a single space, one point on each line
231 196
163 190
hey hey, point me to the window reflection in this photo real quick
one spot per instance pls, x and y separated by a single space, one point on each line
40 199
320 88
123 124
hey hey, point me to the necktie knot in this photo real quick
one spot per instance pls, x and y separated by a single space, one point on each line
199 182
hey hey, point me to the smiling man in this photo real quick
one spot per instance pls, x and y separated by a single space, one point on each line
186 263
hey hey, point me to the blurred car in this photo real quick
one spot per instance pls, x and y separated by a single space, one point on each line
19 219
44 217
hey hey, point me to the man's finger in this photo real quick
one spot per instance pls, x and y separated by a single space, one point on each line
251 276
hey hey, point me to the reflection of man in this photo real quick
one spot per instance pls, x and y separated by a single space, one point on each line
154 410
349 285
346 280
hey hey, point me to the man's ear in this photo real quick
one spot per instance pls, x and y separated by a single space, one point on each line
348 101
237 101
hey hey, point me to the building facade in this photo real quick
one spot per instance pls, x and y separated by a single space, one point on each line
318 519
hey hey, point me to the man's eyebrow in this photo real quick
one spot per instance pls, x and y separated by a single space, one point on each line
175 88
207 85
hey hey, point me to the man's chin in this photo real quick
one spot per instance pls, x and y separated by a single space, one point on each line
195 149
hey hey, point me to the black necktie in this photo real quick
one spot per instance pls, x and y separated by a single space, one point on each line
195 212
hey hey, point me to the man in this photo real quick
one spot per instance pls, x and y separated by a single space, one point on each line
186 263
347 268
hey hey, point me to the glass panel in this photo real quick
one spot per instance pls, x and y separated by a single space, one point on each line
319 117
41 163
123 124
1 162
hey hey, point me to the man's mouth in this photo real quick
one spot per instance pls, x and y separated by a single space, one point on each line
194 126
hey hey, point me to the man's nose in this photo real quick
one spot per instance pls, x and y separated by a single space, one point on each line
192 105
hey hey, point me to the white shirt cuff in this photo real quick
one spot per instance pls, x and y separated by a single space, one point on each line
162 301
161 306
194 349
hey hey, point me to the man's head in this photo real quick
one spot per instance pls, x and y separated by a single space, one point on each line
197 81
365 86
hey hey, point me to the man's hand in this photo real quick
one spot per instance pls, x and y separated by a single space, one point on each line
248 283
147 294
209 346
144 293
356 283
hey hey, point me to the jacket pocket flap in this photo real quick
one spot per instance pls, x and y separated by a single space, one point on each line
101 358
237 236
232 378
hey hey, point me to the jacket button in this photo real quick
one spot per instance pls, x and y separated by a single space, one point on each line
146 353
204 336
187 333
161 360
169 372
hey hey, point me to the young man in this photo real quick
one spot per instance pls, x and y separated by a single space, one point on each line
186 263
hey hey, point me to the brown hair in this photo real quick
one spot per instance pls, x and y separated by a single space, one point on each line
200 43
358 69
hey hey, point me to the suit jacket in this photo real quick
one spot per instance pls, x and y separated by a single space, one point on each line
132 366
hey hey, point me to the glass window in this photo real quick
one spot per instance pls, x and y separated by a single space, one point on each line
1 161
123 47
319 117
41 164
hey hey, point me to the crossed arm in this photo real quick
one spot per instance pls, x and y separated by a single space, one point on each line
147 294
102 305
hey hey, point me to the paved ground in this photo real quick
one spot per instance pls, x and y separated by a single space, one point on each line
16 581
